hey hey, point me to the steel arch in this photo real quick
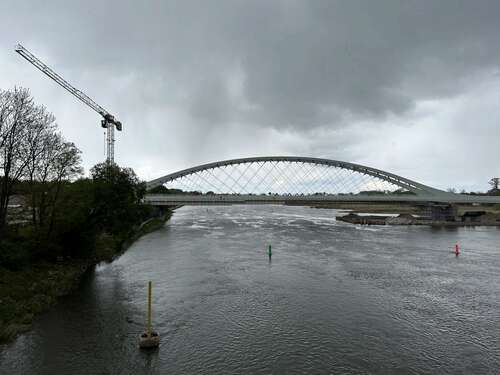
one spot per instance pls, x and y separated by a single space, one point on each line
413 186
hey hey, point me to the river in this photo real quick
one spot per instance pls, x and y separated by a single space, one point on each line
335 298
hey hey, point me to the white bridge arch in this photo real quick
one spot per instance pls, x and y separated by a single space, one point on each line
290 175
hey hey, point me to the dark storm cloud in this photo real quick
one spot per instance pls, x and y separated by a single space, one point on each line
386 83
301 64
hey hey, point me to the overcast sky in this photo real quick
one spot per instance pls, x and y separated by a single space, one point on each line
411 87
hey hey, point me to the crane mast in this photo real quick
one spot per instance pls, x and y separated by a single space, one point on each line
109 122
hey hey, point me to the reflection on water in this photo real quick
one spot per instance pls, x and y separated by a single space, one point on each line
335 298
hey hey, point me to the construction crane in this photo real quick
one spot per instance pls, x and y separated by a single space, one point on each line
109 122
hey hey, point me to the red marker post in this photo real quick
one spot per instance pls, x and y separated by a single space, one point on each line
457 249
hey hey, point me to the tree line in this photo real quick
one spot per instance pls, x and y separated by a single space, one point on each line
32 149
68 213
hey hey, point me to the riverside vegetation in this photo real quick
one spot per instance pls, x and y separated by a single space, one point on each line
67 222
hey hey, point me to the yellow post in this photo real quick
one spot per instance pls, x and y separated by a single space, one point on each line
149 308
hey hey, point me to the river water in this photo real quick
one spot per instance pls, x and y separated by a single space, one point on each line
336 298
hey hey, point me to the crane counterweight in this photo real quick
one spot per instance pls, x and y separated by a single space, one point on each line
109 122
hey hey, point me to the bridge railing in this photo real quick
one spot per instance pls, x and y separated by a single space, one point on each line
223 199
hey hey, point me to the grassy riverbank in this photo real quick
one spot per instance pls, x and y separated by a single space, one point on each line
27 292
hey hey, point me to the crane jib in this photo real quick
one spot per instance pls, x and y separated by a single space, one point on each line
109 121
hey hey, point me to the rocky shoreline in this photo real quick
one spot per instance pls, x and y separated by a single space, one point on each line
408 219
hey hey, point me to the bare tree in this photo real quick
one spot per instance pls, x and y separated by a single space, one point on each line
494 183
37 139
58 161
65 166
31 148
17 114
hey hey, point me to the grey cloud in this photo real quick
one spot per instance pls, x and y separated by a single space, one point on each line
358 58
199 79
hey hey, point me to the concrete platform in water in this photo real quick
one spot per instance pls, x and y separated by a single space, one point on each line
149 341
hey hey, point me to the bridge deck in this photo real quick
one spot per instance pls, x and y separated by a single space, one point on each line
223 199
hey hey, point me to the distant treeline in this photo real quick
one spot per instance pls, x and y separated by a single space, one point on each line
493 191
163 190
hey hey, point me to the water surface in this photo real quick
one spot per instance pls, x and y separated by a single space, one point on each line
336 298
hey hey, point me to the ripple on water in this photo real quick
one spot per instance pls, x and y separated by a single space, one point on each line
335 298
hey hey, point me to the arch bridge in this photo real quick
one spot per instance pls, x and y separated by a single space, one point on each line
292 179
